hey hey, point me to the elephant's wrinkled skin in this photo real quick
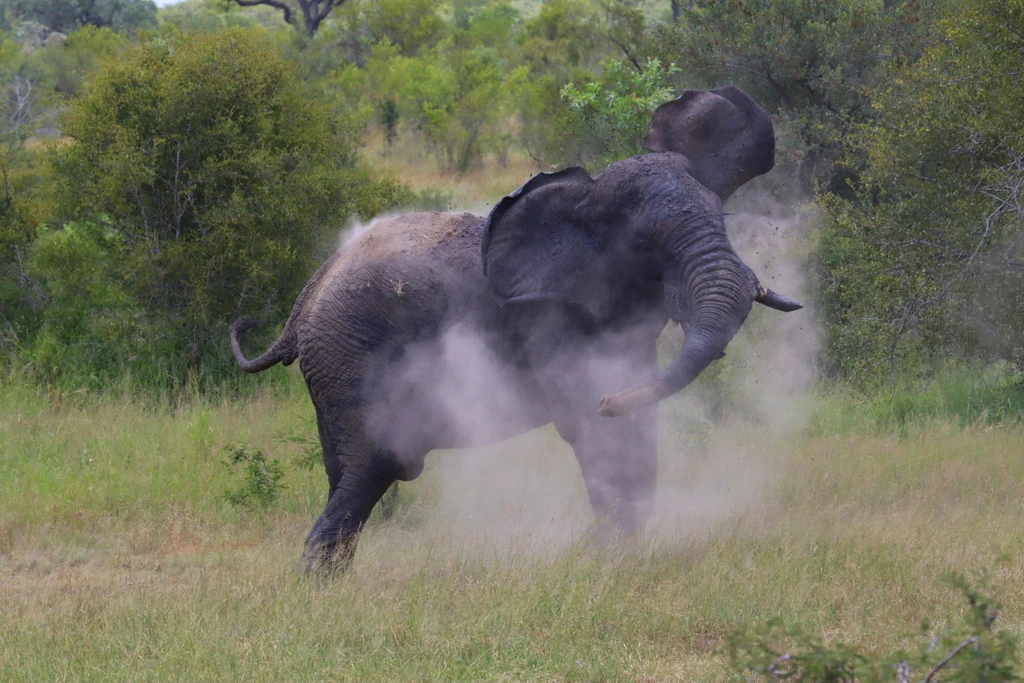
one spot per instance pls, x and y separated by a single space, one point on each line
566 286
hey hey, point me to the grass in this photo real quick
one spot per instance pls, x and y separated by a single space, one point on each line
120 561
963 395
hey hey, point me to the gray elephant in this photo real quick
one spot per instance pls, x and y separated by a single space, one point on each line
563 288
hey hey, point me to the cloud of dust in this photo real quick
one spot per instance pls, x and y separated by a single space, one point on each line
715 463
722 441
778 351
354 228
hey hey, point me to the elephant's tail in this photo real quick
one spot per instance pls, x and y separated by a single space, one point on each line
283 350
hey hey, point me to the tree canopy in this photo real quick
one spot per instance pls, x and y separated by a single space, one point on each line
67 15
927 256
196 182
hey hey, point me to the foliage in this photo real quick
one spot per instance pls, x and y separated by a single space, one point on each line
91 322
19 297
973 652
311 455
206 16
28 89
262 479
811 64
565 41
451 98
609 119
80 55
412 26
898 117
213 172
67 15
925 260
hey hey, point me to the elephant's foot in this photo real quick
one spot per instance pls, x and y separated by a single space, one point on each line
606 537
328 559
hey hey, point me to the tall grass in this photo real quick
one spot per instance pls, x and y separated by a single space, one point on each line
960 395
119 559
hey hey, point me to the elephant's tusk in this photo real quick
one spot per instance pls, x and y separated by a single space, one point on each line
767 297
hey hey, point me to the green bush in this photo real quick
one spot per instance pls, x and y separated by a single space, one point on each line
608 119
925 260
207 178
971 652
261 485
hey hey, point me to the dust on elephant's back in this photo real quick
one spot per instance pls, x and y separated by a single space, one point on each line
420 241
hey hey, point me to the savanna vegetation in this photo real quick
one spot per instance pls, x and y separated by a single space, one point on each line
165 171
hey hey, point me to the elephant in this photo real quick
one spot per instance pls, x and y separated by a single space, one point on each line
564 288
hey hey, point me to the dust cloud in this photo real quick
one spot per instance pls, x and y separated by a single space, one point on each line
718 439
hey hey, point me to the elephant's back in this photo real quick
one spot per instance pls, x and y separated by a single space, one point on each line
399 277
414 245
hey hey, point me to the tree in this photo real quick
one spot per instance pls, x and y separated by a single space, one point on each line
608 119
313 11
564 42
413 26
25 89
811 64
927 258
453 96
66 15
71 62
204 173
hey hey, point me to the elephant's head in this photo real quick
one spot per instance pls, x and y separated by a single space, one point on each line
728 140
726 136
565 237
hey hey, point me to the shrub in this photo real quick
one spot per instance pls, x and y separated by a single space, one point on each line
261 486
973 651
210 174
608 118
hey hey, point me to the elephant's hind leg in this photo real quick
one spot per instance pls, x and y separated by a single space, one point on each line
331 543
359 472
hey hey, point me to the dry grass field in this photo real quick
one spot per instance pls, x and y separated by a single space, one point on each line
120 561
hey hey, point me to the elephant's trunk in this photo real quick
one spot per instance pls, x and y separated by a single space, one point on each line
711 294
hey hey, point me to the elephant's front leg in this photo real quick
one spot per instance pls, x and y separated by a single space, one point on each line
619 461
618 456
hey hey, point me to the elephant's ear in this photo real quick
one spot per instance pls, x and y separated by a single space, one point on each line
726 136
570 174
534 247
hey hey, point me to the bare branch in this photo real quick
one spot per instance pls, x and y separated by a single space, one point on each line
313 11
946 660
625 51
20 101
289 17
